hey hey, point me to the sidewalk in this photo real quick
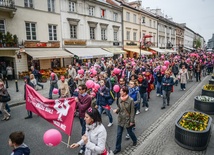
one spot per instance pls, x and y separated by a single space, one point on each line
17 98
158 139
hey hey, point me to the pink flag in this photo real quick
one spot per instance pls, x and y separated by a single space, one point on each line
59 112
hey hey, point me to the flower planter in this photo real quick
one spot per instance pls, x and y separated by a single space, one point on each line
208 90
206 106
211 81
192 140
44 80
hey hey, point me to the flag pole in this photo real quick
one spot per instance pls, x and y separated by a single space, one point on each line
69 138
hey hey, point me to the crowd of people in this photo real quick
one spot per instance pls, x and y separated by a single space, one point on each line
136 79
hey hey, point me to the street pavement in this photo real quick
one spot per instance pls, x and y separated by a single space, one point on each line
154 129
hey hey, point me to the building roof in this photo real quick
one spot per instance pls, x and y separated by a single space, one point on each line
112 2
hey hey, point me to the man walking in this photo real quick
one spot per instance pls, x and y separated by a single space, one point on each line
36 75
167 83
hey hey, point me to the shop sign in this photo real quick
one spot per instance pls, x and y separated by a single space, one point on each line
74 42
31 44
131 43
116 43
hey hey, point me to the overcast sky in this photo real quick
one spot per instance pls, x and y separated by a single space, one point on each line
197 14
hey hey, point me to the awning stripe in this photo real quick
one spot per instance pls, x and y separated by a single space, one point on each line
115 50
88 53
137 50
44 53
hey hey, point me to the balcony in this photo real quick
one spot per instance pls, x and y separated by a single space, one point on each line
8 6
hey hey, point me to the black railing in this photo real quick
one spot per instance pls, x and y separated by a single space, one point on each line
7 3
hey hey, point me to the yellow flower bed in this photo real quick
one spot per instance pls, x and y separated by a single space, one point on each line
195 121
209 87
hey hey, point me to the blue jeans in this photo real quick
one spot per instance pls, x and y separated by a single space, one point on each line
159 88
52 86
83 125
137 107
120 133
108 113
145 100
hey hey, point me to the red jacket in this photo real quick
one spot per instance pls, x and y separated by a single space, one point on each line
83 104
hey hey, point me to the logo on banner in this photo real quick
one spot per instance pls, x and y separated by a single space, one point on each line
61 108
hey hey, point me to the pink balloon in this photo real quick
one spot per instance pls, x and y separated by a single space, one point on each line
116 88
163 68
55 91
52 137
175 57
89 84
162 57
116 71
102 58
94 72
81 71
96 86
166 63
158 67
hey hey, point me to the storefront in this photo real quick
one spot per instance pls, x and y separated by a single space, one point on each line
136 52
116 51
9 57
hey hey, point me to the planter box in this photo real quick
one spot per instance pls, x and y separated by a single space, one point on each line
44 80
192 140
206 107
207 93
211 82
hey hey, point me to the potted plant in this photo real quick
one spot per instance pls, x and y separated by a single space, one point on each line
211 81
15 40
193 130
44 79
208 90
204 104
8 39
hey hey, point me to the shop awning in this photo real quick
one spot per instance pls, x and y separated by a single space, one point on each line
43 53
137 50
115 50
158 50
170 51
88 53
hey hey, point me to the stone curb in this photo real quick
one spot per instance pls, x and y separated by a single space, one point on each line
160 123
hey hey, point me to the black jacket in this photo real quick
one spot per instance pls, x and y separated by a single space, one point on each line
143 86
29 83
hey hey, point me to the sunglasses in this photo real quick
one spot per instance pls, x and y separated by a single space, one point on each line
79 88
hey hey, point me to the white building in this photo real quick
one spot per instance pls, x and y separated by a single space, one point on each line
89 27
189 36
37 25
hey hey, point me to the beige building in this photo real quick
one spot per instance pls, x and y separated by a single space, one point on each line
179 38
137 23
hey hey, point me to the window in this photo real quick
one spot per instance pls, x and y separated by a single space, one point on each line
150 23
115 35
72 6
73 31
30 31
143 20
115 16
92 33
103 34
91 10
127 35
2 26
154 24
103 12
150 33
135 36
154 37
28 3
127 16
134 19
51 5
52 32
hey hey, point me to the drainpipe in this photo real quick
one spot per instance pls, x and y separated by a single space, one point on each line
122 28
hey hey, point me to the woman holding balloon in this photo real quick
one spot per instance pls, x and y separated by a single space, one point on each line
95 137
103 95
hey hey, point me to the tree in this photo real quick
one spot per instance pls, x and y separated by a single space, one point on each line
197 43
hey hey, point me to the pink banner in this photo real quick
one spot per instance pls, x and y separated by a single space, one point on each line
59 112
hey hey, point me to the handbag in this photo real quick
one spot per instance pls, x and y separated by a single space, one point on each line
5 98
107 150
152 86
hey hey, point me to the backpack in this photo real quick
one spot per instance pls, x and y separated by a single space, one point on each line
110 100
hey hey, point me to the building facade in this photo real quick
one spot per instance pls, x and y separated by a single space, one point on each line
179 38
37 26
210 43
91 24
